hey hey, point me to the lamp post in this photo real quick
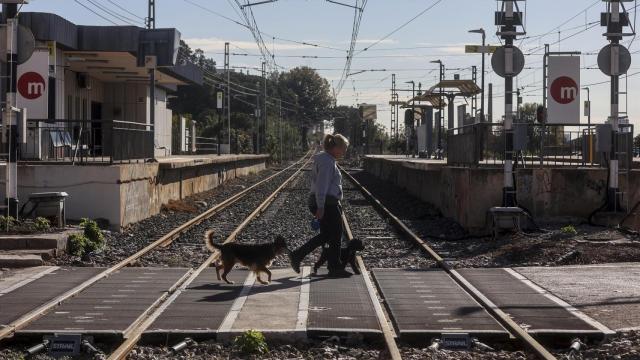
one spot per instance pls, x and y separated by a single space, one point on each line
441 122
588 113
413 111
484 39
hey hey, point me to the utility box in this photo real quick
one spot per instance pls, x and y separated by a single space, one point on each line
604 133
50 204
520 137
505 218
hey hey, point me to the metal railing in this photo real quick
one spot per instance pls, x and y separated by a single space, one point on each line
534 145
87 141
205 145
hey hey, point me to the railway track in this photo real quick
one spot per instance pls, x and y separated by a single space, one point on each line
391 245
500 316
125 348
9 329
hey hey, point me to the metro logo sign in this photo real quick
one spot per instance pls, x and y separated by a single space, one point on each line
564 90
563 94
31 85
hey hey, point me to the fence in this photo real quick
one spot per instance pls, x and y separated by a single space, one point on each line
534 145
87 141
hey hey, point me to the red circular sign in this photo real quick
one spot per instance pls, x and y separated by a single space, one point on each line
564 90
31 85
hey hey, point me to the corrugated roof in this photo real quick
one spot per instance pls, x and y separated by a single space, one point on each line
436 100
465 87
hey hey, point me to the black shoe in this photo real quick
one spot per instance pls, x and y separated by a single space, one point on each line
295 262
339 274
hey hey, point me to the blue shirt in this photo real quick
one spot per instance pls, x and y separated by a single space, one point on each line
326 179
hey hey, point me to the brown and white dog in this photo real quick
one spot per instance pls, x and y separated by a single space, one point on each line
256 257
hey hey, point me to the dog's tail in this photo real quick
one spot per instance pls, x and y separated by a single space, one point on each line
208 241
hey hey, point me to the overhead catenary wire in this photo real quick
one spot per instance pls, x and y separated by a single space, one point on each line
124 19
95 13
125 10
357 19
401 26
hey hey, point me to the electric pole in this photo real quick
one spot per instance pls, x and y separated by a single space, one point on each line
264 107
227 70
10 119
151 17
614 60
509 64
393 111
151 24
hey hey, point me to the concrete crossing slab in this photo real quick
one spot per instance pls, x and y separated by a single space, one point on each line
429 302
29 293
106 310
272 309
528 307
340 305
608 293
201 308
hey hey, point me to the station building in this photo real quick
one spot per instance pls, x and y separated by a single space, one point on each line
89 129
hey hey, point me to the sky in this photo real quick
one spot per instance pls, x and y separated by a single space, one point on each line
439 33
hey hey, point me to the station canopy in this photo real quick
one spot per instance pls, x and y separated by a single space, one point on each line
466 88
434 99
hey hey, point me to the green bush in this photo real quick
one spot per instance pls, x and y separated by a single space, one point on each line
77 244
90 240
42 224
569 230
7 223
93 233
251 342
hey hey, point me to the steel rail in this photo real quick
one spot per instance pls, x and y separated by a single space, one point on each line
494 310
387 332
40 311
135 334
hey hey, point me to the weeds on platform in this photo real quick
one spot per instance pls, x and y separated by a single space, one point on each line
90 240
569 230
251 342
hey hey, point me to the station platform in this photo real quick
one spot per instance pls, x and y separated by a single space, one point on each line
420 303
128 193
466 194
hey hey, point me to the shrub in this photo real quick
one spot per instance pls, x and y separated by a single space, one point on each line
569 230
90 240
251 342
93 233
7 223
77 244
42 224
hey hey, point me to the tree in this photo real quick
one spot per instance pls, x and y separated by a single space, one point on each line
310 92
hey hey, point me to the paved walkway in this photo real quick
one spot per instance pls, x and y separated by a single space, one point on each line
609 293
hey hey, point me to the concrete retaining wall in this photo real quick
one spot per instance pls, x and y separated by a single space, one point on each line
127 193
466 194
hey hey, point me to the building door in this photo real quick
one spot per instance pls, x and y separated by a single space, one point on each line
96 128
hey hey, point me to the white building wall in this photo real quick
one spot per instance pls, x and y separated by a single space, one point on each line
162 126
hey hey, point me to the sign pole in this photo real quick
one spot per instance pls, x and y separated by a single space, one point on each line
508 61
228 109
10 12
614 60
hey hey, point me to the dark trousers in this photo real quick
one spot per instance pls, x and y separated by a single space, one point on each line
330 233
